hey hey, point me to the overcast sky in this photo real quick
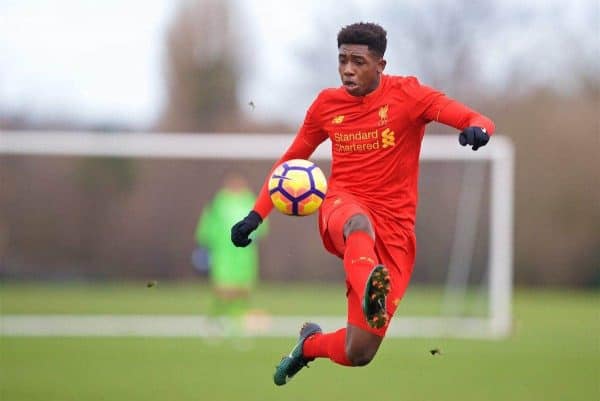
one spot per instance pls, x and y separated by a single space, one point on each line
86 60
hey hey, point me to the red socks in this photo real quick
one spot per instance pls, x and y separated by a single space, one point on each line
359 260
329 345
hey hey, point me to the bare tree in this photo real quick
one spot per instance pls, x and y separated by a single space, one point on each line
201 71
440 38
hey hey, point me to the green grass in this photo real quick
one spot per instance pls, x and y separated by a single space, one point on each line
165 298
554 354
193 298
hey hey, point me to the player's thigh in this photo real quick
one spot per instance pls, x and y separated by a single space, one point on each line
336 212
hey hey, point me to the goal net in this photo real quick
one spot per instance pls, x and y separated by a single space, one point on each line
124 205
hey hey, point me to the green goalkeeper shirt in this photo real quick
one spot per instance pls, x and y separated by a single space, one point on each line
229 266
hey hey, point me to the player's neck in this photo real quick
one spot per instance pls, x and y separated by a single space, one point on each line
373 88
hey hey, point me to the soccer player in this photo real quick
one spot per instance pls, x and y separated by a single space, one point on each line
375 123
233 275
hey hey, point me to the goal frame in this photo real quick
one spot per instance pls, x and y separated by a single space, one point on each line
256 146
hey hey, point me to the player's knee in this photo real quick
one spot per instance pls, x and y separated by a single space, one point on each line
360 355
358 222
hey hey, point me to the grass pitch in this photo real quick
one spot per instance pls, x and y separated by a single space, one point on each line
554 353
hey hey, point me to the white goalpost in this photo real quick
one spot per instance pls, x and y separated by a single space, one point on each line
499 155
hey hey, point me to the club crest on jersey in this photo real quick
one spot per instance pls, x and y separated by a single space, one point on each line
337 119
383 115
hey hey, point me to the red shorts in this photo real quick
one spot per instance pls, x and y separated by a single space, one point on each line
395 247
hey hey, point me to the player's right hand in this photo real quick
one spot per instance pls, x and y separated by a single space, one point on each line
242 229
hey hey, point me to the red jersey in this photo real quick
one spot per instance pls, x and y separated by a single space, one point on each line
375 143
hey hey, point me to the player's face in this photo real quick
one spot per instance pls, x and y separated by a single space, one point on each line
359 68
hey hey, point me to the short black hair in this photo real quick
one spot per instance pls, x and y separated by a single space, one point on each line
364 33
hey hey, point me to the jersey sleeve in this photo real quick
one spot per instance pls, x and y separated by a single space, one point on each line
310 135
433 105
459 116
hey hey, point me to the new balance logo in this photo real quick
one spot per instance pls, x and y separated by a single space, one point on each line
337 119
387 138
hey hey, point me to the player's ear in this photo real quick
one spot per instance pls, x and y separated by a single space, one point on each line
381 65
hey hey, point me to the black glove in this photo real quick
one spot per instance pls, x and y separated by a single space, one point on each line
473 136
242 229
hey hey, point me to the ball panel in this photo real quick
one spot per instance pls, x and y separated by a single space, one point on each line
281 202
276 178
296 183
309 205
320 180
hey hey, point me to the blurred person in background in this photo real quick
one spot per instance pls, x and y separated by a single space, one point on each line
232 274
376 124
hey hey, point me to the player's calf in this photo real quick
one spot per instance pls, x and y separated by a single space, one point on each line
362 352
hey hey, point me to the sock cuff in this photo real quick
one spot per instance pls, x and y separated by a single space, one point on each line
359 236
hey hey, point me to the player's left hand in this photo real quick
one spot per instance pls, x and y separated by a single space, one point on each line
475 136
241 230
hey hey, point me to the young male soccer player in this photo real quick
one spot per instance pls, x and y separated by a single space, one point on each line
376 124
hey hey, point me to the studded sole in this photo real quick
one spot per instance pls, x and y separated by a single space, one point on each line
377 290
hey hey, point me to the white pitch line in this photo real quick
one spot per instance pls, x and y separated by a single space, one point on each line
257 325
